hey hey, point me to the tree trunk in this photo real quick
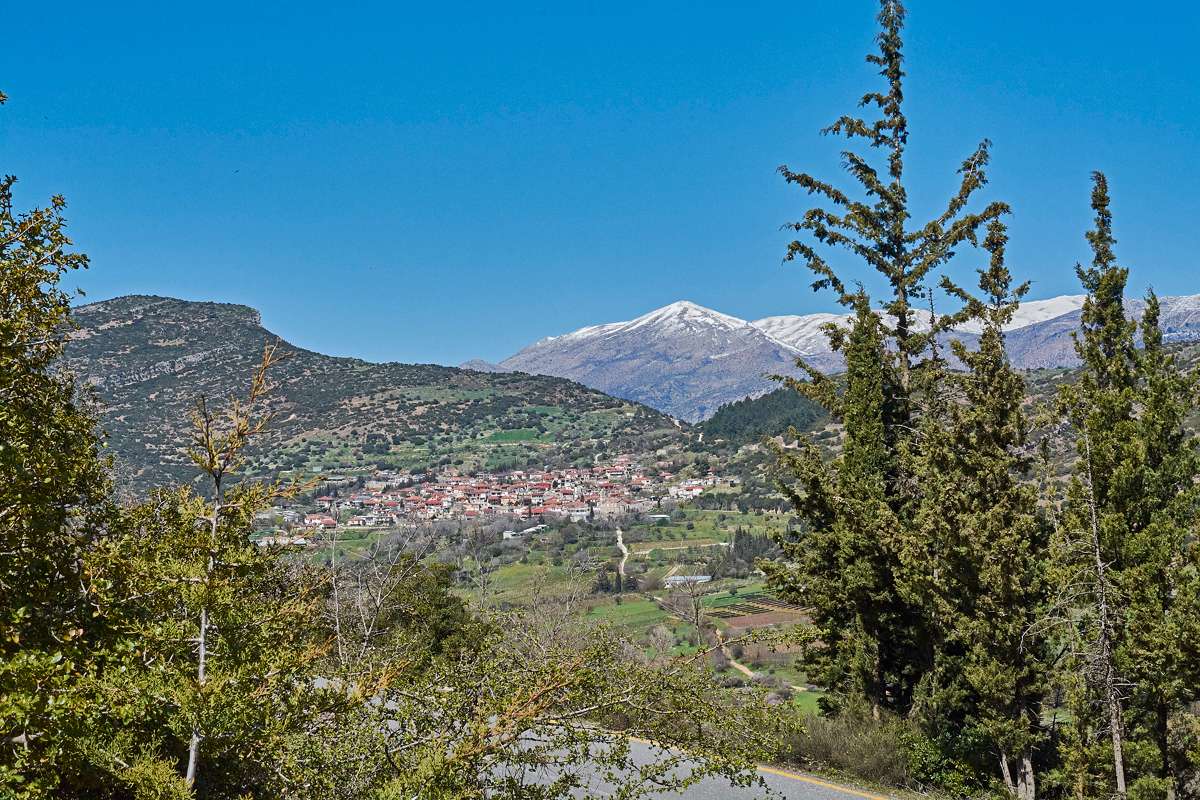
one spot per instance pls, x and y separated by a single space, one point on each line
1026 784
1112 696
202 657
1114 712
1161 733
193 764
1006 774
877 695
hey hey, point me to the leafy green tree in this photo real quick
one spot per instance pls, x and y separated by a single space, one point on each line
223 637
542 695
54 503
876 490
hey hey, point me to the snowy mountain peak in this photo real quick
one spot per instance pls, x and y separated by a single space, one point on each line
683 357
680 317
1031 312
685 314
687 360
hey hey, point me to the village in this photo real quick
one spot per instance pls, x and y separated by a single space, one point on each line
386 499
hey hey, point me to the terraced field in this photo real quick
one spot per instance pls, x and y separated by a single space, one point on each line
753 610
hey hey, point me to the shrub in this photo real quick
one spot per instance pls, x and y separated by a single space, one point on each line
855 742
888 751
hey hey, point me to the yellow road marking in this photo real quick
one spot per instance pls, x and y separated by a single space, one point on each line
783 773
795 776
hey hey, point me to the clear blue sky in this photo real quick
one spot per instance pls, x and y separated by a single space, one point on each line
434 182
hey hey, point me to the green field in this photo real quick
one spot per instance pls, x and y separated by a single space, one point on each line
733 596
514 435
705 524
633 613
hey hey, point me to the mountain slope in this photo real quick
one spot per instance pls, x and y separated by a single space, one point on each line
688 360
149 358
683 358
749 420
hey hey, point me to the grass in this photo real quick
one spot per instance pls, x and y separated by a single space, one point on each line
641 548
729 598
808 703
711 525
514 581
631 614
514 435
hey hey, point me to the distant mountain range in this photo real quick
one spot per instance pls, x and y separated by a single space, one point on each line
688 360
149 358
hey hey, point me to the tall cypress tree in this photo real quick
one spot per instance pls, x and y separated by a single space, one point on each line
976 559
877 231
1094 521
841 565
1127 558
1160 655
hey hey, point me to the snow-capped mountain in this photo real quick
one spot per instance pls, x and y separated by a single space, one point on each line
683 358
688 360
806 334
1031 312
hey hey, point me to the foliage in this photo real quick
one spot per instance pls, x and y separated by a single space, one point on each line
53 506
846 563
1127 562
842 565
749 420
976 561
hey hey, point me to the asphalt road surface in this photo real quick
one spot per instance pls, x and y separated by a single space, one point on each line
780 784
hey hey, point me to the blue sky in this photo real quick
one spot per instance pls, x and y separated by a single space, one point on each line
435 182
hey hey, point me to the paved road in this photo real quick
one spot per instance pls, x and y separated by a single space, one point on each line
780 783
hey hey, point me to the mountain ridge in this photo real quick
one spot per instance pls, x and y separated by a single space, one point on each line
148 358
689 360
683 359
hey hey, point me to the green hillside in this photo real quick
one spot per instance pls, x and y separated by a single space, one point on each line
149 358
749 420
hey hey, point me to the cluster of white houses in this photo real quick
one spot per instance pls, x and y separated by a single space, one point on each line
618 487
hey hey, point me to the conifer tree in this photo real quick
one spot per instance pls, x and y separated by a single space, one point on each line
979 528
1127 560
841 566
1161 579
876 231
1100 409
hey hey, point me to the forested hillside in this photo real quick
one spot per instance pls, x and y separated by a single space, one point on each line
749 420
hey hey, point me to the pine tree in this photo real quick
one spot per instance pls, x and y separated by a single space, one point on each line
885 632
